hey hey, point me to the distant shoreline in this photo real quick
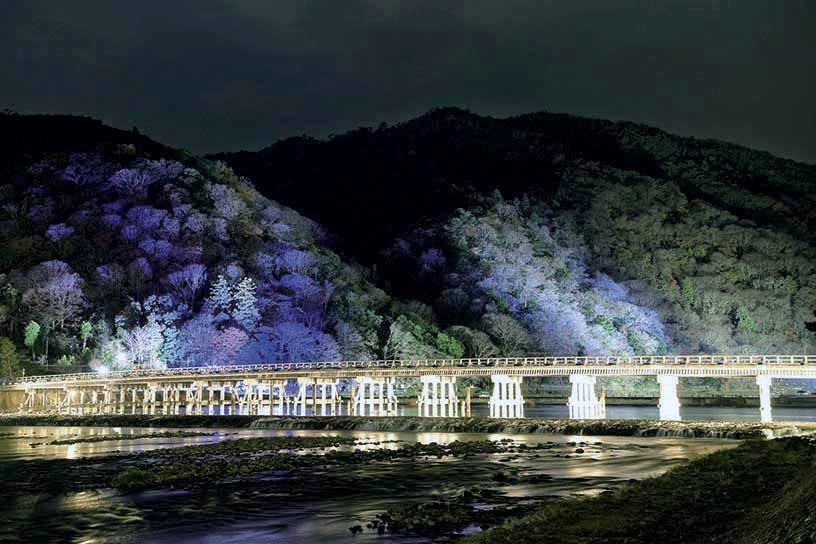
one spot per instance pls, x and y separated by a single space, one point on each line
609 427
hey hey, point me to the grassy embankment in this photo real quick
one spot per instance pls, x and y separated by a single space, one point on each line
763 492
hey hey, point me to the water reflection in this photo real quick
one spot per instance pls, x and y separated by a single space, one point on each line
320 505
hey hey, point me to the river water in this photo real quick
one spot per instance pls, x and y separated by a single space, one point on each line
318 506
687 413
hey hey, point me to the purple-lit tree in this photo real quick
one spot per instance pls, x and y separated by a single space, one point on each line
188 281
226 202
86 169
54 293
294 261
132 182
226 344
59 232
289 342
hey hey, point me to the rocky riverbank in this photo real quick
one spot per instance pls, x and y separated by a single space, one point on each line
762 492
608 427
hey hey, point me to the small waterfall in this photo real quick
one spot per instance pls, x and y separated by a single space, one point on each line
643 428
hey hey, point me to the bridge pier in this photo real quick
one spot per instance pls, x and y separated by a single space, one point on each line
282 401
168 400
669 403
213 399
223 400
241 397
375 393
438 397
583 403
330 401
506 400
191 399
251 398
300 399
764 383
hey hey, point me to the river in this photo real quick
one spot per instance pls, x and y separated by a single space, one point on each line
316 506
687 413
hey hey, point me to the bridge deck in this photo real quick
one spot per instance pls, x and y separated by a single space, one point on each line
724 366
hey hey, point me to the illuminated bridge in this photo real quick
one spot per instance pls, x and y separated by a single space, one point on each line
369 386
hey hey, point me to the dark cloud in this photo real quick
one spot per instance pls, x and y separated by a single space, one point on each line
214 76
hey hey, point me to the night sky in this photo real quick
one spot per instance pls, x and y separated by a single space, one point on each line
226 75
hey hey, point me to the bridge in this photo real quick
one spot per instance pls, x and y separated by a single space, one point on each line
318 388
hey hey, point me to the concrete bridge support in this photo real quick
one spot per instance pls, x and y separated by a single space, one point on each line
506 400
329 402
374 397
318 397
254 397
438 397
299 407
193 398
244 395
669 403
280 405
764 383
583 403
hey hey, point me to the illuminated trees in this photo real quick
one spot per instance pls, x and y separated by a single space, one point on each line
351 343
226 344
132 182
144 345
9 360
510 337
246 311
294 342
226 202
476 342
413 338
294 261
220 299
86 169
235 302
53 293
9 308
138 238
85 333
32 332
188 281
59 232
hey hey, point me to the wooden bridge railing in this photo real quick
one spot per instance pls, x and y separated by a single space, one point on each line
603 360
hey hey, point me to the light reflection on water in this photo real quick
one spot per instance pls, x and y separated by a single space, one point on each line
323 504
618 411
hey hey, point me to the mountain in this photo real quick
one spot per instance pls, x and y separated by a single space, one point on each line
449 235
558 234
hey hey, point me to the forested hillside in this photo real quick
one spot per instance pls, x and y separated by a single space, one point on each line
115 251
593 236
542 234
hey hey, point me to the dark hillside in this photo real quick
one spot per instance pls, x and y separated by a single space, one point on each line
393 176
717 238
27 136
